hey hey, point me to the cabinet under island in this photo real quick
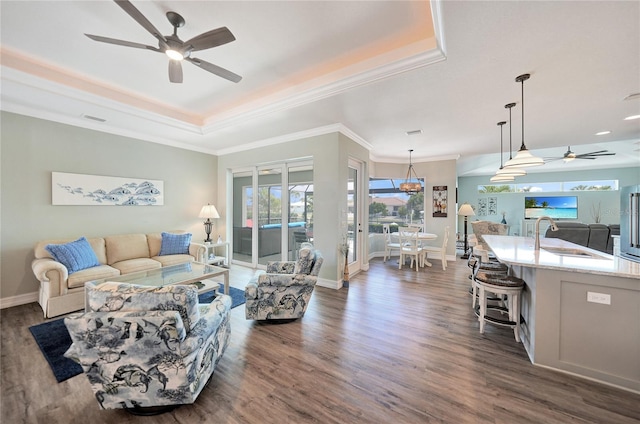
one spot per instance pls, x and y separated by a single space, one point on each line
580 308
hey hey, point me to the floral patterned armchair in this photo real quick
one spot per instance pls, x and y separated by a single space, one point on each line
284 290
143 347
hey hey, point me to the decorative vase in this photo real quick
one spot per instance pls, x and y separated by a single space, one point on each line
504 221
345 273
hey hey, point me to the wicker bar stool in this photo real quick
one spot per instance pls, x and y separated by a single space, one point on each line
504 286
493 267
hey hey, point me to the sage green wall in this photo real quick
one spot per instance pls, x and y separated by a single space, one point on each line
330 154
513 203
33 148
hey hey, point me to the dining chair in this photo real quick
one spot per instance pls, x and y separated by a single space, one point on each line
441 250
410 246
389 245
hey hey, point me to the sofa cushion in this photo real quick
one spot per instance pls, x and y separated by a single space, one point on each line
75 256
113 296
154 240
99 272
175 244
169 260
126 246
136 265
97 244
575 232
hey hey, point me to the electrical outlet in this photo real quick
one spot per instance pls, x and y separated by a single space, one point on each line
602 298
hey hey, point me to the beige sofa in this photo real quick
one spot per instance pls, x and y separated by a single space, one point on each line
61 293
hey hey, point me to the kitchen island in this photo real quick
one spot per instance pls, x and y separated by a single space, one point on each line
580 308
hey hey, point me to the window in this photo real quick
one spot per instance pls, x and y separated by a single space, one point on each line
389 205
601 185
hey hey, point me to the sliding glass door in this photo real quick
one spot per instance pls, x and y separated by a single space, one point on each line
272 212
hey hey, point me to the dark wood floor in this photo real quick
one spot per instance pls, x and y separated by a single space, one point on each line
395 346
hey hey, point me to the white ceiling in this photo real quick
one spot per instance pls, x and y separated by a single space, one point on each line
372 69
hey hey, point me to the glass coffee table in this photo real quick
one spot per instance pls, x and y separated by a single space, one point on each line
188 273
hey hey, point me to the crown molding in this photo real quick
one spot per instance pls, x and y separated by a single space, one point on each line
280 102
312 132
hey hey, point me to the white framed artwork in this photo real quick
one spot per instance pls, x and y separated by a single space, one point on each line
97 190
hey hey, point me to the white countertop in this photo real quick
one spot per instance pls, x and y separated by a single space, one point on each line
520 251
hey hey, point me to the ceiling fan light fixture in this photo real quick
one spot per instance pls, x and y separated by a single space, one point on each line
174 54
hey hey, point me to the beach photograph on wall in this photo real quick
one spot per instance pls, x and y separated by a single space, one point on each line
84 189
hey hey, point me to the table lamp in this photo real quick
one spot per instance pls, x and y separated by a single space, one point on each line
210 212
465 210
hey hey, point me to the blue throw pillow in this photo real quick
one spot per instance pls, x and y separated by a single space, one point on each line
175 244
75 256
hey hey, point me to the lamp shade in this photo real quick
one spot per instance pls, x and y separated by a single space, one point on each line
466 210
502 178
523 159
209 211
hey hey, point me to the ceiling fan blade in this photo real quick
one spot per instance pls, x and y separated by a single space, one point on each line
142 20
122 42
175 71
209 39
214 69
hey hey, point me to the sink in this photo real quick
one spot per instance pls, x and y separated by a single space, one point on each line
568 251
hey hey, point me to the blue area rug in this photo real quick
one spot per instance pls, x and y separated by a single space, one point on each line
54 340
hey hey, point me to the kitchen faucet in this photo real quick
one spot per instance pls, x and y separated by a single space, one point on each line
554 227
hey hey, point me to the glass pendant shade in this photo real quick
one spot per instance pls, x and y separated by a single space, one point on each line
523 158
511 172
501 178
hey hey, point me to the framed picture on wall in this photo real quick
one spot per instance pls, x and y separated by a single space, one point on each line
98 190
440 201
493 205
482 207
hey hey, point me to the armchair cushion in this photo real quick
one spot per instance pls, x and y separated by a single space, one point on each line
281 267
75 256
124 297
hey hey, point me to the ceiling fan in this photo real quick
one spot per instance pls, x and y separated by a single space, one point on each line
569 155
176 49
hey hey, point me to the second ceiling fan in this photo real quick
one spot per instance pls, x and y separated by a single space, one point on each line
176 49
570 155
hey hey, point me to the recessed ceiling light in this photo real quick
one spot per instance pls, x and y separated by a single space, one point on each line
629 118
414 132
603 133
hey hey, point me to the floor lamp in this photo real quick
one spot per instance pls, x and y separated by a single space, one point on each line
466 210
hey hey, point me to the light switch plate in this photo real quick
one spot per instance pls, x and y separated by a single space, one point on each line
602 298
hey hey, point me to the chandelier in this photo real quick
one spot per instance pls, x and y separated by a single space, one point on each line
409 186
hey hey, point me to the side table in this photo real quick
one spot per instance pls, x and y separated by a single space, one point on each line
210 254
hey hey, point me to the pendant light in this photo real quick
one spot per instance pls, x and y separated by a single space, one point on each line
497 177
512 171
408 186
524 157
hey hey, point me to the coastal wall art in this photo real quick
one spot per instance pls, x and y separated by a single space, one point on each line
84 189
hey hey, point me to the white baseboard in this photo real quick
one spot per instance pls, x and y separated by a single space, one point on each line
21 299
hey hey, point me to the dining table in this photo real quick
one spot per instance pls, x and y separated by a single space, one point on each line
422 236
